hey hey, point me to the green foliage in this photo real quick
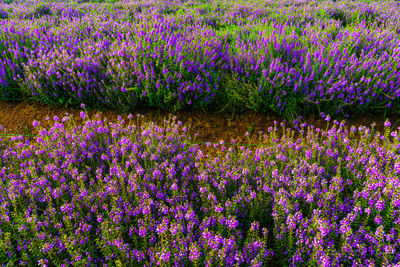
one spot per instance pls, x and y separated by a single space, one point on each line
237 96
322 13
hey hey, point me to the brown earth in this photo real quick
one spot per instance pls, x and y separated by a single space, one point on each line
17 118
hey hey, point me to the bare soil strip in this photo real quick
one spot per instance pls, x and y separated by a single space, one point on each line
17 118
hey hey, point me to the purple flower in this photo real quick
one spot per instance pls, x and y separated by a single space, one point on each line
83 115
165 256
378 219
142 231
254 226
397 167
380 205
43 262
231 222
194 253
328 118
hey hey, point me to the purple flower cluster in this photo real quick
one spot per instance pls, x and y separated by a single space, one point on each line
290 57
3 14
108 192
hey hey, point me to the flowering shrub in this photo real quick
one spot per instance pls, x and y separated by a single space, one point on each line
123 194
289 57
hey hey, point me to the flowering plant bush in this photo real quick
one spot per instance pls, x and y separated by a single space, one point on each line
120 193
289 57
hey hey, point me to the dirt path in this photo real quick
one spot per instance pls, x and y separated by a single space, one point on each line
17 118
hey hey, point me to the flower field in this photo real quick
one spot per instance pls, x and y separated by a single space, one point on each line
134 193
290 57
115 193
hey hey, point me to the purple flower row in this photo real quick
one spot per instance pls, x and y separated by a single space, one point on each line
286 56
115 192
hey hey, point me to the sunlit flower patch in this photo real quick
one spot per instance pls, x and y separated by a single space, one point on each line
104 192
